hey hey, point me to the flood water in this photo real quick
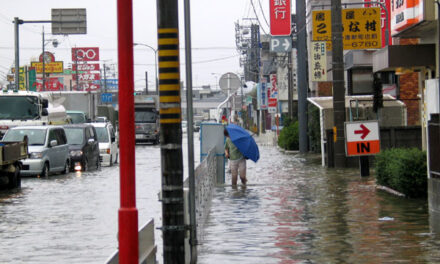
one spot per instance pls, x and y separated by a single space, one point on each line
295 211
292 211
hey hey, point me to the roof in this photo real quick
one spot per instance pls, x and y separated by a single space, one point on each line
362 100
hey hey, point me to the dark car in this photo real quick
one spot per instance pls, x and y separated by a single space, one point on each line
83 146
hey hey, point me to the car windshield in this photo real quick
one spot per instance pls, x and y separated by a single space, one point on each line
75 136
102 134
35 136
77 118
144 116
19 107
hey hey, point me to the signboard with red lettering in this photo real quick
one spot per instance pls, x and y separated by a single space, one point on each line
87 77
280 17
86 67
362 138
50 84
85 54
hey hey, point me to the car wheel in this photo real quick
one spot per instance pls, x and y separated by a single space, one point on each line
14 178
116 160
111 161
45 171
66 167
85 165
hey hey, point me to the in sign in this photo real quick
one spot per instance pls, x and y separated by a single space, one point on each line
362 138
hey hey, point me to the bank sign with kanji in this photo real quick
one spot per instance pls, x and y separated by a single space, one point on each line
280 17
362 138
361 28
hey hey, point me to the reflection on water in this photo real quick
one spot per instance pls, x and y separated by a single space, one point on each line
295 211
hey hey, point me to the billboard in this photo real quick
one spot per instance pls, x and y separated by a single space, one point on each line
383 21
51 67
86 67
361 28
319 61
85 54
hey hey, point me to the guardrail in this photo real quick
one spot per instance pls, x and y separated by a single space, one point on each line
147 247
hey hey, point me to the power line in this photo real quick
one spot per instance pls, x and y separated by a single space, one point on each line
255 12
262 12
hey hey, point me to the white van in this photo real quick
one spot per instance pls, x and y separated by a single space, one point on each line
108 143
47 147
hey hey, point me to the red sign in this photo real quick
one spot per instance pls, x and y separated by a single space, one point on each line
87 77
85 54
48 57
280 17
405 13
87 86
86 67
50 84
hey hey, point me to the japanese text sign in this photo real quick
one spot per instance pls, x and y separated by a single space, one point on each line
51 67
383 21
405 13
362 138
262 95
319 61
361 28
280 20
86 67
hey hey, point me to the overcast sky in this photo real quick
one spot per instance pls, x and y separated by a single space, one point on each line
212 27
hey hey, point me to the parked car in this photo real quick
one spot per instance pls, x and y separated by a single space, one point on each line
47 146
108 143
83 146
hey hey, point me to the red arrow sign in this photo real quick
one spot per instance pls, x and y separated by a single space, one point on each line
364 131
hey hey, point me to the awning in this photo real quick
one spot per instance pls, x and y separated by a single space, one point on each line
412 57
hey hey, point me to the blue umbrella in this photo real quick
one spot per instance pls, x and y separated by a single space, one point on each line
244 142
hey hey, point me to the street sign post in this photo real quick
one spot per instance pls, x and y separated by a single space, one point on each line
281 44
362 139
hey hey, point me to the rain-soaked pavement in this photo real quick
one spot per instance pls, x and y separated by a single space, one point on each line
292 211
295 211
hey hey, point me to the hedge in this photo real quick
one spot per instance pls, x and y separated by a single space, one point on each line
289 137
403 170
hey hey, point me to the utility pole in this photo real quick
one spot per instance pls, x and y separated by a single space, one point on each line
173 226
338 84
17 23
43 88
302 75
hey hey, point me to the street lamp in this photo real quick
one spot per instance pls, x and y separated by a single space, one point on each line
155 63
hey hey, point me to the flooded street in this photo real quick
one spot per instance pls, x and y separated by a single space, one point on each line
292 211
295 211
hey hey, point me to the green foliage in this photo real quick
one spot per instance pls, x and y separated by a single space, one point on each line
314 128
289 137
403 170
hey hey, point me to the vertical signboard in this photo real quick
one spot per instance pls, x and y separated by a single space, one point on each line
319 61
262 96
361 28
280 17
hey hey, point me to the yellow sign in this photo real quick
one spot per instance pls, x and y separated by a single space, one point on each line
22 79
361 28
51 67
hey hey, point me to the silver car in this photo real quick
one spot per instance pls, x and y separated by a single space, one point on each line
47 147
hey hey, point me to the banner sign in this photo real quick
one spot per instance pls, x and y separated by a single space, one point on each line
280 17
361 28
51 67
85 54
319 61
86 67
